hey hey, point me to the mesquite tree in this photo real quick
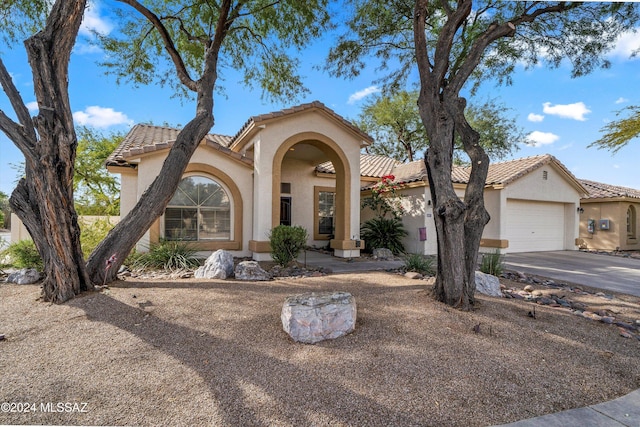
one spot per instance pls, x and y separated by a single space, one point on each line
455 44
198 38
43 199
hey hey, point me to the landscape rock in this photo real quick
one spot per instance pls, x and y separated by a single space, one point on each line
219 265
314 317
413 275
251 270
26 276
382 254
528 288
487 284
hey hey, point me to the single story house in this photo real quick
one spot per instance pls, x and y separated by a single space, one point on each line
533 202
304 166
237 188
609 217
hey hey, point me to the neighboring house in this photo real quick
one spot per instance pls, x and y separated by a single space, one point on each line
533 203
237 188
609 217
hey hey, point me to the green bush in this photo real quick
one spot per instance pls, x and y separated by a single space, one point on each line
492 263
23 254
92 233
286 243
384 233
419 263
167 255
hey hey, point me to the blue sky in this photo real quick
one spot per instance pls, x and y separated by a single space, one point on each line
561 114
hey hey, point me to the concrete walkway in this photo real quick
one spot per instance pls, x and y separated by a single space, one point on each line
344 265
621 412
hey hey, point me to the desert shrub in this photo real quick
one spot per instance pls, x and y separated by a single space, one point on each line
419 263
92 233
167 255
492 263
286 243
383 232
23 254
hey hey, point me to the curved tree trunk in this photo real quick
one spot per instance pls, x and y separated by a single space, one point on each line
43 199
124 236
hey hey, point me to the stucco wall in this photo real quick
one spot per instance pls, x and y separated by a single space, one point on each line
149 167
302 178
307 126
614 238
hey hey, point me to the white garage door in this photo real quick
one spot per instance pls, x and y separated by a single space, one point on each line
535 226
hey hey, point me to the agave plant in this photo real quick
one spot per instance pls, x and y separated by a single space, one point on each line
384 233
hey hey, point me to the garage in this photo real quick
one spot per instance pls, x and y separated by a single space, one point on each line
535 226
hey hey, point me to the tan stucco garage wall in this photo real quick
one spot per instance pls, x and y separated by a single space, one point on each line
616 237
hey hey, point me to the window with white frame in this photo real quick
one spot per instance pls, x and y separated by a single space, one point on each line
200 210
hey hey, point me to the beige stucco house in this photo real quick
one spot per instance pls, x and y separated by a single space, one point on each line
236 189
303 166
533 203
609 217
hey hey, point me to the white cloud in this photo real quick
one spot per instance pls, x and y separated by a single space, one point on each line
538 139
574 111
363 94
32 106
92 21
100 117
532 117
625 46
621 100
616 166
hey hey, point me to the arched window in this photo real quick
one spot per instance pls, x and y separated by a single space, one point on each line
199 210
631 222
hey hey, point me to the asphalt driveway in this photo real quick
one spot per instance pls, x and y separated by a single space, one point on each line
612 273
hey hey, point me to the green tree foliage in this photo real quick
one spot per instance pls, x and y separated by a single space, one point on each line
259 39
96 190
188 46
5 211
395 124
455 46
620 132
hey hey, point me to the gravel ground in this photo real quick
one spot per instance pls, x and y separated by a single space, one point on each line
190 352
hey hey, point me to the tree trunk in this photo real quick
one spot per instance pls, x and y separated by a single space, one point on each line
124 236
43 199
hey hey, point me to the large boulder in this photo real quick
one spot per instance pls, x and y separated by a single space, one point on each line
26 276
219 265
314 317
488 285
251 271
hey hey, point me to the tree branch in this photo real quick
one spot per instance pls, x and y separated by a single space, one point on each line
16 102
181 69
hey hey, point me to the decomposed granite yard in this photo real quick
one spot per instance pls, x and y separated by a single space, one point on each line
187 352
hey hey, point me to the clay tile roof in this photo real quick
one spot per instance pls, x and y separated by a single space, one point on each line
370 166
410 172
598 190
144 138
256 120
503 173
